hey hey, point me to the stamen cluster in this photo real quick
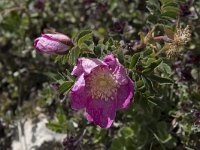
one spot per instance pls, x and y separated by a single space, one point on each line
102 84
181 38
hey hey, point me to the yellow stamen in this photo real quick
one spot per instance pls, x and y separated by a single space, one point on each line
102 84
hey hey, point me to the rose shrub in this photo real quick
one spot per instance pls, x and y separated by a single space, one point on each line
139 57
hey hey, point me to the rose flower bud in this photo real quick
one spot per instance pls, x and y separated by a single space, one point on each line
53 43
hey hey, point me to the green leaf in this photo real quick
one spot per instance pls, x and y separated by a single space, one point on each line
169 15
73 55
148 84
153 6
54 126
170 3
161 80
65 87
170 9
152 66
61 115
60 123
152 19
139 84
62 58
164 2
99 49
147 52
169 33
134 60
82 34
163 133
118 144
87 47
120 56
126 132
165 68
52 75
110 42
84 39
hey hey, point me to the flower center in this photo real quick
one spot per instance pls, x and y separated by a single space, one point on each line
102 84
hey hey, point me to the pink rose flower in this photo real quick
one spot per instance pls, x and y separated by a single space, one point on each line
53 43
102 88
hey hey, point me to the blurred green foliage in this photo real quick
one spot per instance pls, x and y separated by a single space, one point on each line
166 90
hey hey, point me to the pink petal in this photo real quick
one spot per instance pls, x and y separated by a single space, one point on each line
125 94
59 38
111 61
101 112
78 96
49 46
118 70
120 74
85 65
